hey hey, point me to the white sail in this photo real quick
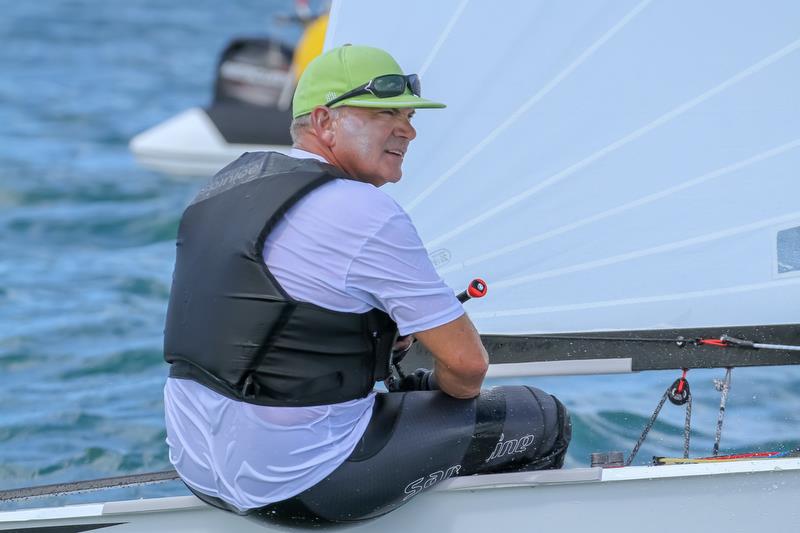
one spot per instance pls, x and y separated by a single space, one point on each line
618 165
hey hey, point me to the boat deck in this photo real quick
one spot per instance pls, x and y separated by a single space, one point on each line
727 496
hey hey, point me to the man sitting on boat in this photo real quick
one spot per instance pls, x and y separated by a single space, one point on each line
293 276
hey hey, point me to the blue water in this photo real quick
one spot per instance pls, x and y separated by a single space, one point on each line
87 247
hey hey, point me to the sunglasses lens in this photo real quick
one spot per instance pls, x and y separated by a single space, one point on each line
389 85
414 84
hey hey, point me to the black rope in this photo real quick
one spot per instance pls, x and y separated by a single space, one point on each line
679 341
676 340
647 428
84 486
677 399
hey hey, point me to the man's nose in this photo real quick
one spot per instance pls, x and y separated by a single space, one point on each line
405 129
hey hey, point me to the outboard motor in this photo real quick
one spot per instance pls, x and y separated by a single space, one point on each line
254 71
253 92
251 109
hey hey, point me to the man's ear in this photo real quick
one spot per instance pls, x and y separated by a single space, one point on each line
322 125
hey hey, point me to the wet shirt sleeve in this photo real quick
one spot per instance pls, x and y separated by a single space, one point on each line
393 272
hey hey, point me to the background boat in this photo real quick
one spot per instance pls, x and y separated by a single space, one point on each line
251 105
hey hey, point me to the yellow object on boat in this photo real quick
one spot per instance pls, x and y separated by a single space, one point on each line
310 45
718 459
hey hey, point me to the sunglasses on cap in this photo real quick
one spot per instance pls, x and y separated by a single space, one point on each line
384 86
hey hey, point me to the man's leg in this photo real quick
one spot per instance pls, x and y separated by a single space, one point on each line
417 439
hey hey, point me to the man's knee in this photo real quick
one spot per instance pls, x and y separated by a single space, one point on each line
557 431
540 422
563 434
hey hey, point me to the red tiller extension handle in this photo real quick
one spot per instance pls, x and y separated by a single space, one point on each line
477 289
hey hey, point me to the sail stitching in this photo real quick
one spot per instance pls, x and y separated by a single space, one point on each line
528 105
660 121
442 38
661 248
633 301
626 207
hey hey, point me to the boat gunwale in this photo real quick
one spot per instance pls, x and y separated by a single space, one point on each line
534 479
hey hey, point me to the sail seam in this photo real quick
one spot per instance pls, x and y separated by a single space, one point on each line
660 121
442 38
668 247
633 301
627 206
536 98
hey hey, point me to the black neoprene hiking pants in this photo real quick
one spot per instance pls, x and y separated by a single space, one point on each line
416 439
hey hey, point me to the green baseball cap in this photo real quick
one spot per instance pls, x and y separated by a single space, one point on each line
345 68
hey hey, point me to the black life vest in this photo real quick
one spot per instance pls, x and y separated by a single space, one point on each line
232 327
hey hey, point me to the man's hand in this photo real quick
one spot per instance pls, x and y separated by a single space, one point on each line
403 343
460 360
420 379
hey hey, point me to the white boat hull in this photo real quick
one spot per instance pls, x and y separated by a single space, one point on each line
190 145
734 496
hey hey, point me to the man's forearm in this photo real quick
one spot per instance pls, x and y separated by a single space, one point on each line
460 360
458 385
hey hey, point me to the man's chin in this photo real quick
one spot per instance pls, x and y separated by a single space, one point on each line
393 177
